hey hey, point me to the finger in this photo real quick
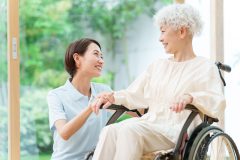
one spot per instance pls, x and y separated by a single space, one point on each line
184 105
176 108
106 105
93 106
101 95
98 105
173 107
180 106
110 98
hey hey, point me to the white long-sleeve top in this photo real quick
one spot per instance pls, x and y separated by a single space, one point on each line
161 85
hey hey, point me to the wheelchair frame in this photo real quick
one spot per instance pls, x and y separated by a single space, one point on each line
188 147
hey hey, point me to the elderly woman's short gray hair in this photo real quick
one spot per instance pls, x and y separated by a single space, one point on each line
179 15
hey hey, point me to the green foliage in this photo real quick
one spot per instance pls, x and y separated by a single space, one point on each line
3 44
48 26
3 131
51 78
105 79
44 36
123 117
35 132
44 156
41 156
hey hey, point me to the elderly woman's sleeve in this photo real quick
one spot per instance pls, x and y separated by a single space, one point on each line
133 96
208 94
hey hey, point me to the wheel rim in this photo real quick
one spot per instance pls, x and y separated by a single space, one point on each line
215 145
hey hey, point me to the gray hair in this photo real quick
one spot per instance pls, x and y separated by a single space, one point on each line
179 15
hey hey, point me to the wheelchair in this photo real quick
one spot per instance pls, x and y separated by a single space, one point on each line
199 145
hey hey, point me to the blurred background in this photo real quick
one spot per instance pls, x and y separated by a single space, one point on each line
130 42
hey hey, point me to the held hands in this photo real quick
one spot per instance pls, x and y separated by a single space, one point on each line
104 99
181 103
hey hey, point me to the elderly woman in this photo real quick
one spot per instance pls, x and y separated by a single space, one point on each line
165 88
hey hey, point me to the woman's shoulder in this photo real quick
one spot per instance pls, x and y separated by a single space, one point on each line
205 62
156 62
55 92
58 90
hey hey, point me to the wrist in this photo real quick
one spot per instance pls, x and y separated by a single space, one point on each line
89 109
189 98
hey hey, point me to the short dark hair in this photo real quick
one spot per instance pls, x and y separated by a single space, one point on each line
79 47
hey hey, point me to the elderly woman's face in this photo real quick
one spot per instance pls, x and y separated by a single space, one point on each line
169 38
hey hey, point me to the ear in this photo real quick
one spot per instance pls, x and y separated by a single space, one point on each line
77 59
183 31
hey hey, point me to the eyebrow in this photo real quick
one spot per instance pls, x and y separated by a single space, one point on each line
98 51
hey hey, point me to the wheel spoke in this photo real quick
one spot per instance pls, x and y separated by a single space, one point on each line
213 144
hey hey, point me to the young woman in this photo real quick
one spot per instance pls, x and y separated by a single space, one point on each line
75 129
165 88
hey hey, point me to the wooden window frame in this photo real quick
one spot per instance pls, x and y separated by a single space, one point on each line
13 80
217 30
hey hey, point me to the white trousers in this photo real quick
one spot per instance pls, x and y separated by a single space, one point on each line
129 140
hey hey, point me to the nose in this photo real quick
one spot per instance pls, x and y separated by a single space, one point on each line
161 39
100 60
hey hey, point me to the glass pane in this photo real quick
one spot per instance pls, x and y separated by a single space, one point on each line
3 82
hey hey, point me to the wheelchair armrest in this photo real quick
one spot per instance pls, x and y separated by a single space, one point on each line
206 117
120 109
192 108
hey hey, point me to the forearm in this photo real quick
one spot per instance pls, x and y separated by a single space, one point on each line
130 99
75 124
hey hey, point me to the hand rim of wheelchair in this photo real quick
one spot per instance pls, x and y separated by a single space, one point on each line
204 139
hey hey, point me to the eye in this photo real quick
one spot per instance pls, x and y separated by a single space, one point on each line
98 55
95 53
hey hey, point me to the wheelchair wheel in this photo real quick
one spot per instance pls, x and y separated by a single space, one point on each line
213 144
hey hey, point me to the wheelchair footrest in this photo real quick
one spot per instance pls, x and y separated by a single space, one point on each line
158 155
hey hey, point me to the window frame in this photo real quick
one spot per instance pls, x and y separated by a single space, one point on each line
13 80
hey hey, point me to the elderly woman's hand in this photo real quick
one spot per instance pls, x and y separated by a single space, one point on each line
181 103
104 99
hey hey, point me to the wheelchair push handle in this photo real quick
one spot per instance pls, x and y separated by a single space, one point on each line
223 67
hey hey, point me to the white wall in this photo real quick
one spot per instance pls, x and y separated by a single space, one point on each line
142 45
232 57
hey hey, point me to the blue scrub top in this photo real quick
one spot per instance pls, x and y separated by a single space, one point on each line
66 102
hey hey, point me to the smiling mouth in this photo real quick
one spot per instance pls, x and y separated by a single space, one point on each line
99 68
165 45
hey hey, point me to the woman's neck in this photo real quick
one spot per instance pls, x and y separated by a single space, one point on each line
82 84
184 54
184 57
